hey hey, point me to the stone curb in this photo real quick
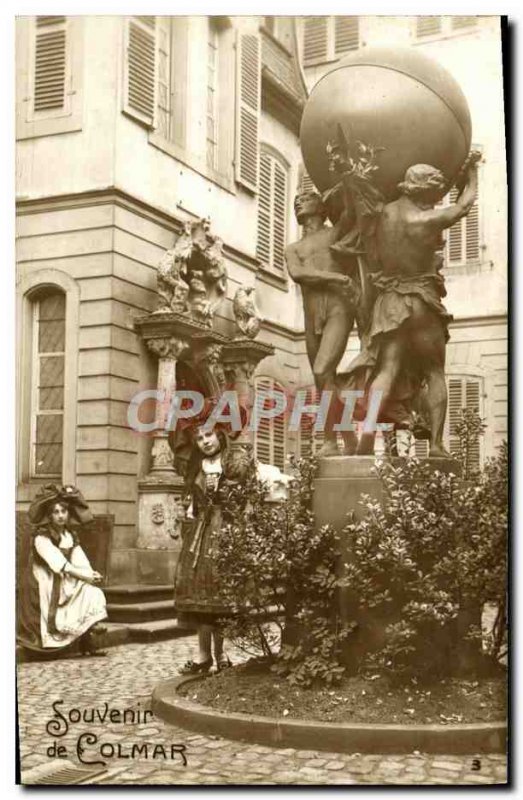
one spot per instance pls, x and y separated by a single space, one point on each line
333 737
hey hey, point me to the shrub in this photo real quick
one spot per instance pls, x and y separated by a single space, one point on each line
424 560
277 571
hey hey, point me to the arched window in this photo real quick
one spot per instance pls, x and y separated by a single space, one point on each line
269 443
47 383
272 210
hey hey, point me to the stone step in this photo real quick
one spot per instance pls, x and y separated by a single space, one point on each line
155 630
141 611
138 593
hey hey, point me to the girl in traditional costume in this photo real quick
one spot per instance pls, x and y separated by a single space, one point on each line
209 461
59 599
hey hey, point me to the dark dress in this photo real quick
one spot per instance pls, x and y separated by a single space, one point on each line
195 589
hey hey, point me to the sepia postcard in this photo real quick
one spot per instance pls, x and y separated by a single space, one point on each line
262 436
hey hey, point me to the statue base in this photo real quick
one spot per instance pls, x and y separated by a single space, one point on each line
159 535
340 482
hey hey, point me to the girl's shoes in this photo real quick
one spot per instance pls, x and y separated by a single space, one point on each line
196 667
224 663
88 646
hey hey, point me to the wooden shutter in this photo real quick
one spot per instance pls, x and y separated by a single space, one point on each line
458 23
463 393
455 252
421 448
305 181
248 92
311 440
262 440
272 212
50 64
472 233
463 237
346 34
141 69
279 215
428 26
263 245
269 443
315 40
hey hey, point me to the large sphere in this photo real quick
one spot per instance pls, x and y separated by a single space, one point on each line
393 98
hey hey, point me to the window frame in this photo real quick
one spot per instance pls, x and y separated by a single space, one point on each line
36 367
31 289
176 145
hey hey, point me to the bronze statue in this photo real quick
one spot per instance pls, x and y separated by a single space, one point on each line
331 294
403 352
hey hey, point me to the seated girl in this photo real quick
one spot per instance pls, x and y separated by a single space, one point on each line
60 602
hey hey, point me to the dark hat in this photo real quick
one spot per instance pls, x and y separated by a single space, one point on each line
70 496
181 438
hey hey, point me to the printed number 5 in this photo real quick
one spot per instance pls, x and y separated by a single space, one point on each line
476 764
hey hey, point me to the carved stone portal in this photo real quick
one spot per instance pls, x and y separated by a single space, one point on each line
192 281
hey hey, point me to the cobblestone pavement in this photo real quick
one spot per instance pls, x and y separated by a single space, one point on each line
126 678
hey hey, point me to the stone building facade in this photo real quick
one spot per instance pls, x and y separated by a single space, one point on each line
129 127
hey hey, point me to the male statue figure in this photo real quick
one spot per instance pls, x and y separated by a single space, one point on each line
330 298
404 347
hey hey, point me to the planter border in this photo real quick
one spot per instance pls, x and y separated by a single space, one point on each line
470 738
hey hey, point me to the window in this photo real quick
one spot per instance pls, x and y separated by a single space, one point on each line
328 38
428 27
210 150
269 444
272 211
47 394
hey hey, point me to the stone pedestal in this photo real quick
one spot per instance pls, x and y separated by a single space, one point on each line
337 492
159 538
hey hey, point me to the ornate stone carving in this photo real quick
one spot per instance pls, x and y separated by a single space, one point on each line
239 371
161 455
245 313
158 514
168 347
192 277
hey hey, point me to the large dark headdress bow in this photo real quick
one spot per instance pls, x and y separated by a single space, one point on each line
70 496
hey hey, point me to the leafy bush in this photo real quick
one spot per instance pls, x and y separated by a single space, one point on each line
424 560
278 572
